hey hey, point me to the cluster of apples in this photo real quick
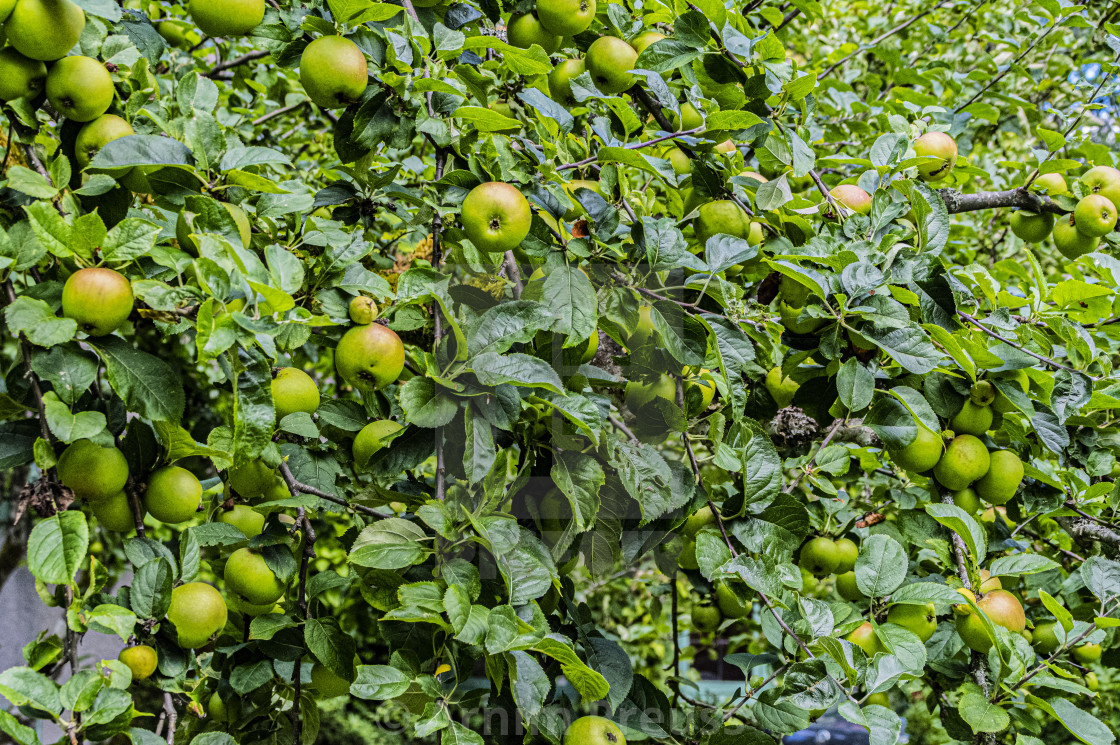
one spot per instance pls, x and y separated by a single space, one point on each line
965 466
1093 217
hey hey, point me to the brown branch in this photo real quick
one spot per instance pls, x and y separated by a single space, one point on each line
298 487
687 442
1021 348
308 553
278 112
1007 69
1020 198
514 275
437 329
236 62
958 548
172 717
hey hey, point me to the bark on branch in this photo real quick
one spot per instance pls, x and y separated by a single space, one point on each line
956 202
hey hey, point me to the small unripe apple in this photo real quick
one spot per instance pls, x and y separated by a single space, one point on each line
293 390
248 575
141 660
369 357
565 17
609 60
363 310
1032 227
370 440
197 611
496 217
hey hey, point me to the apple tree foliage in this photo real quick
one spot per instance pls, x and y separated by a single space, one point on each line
518 553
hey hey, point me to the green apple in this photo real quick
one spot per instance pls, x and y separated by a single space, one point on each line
363 310
919 619
941 152
114 512
609 60
98 133
524 30
1005 472
729 603
1095 215
790 316
865 638
1087 654
593 731
848 588
577 209
847 552
782 388
1070 241
45 29
173 495
496 217
698 520
706 618
197 611
254 479
371 438
721 216
20 76
920 455
369 357
566 17
248 575
1002 608
820 556
639 393
293 390
1105 181
216 708
972 419
852 197
244 518
682 164
226 17
140 659
91 471
645 39
99 299
6 7
1045 638
1032 227
560 80
332 69
965 460
80 88
968 500
1053 184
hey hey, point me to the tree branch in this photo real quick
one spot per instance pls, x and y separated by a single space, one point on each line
881 37
308 553
634 146
278 112
437 330
1007 69
298 487
1021 198
172 717
236 62
1021 348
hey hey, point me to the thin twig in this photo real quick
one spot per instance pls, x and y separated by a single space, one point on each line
633 146
437 326
298 487
278 112
881 37
1021 348
812 461
237 61
1007 69
308 553
687 442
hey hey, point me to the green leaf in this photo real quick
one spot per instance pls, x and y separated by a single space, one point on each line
33 318
57 547
147 384
425 405
380 682
881 566
392 543
492 368
68 426
964 525
981 715
25 687
1017 564
29 182
331 645
112 619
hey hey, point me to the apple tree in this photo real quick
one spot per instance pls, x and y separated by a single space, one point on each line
486 370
